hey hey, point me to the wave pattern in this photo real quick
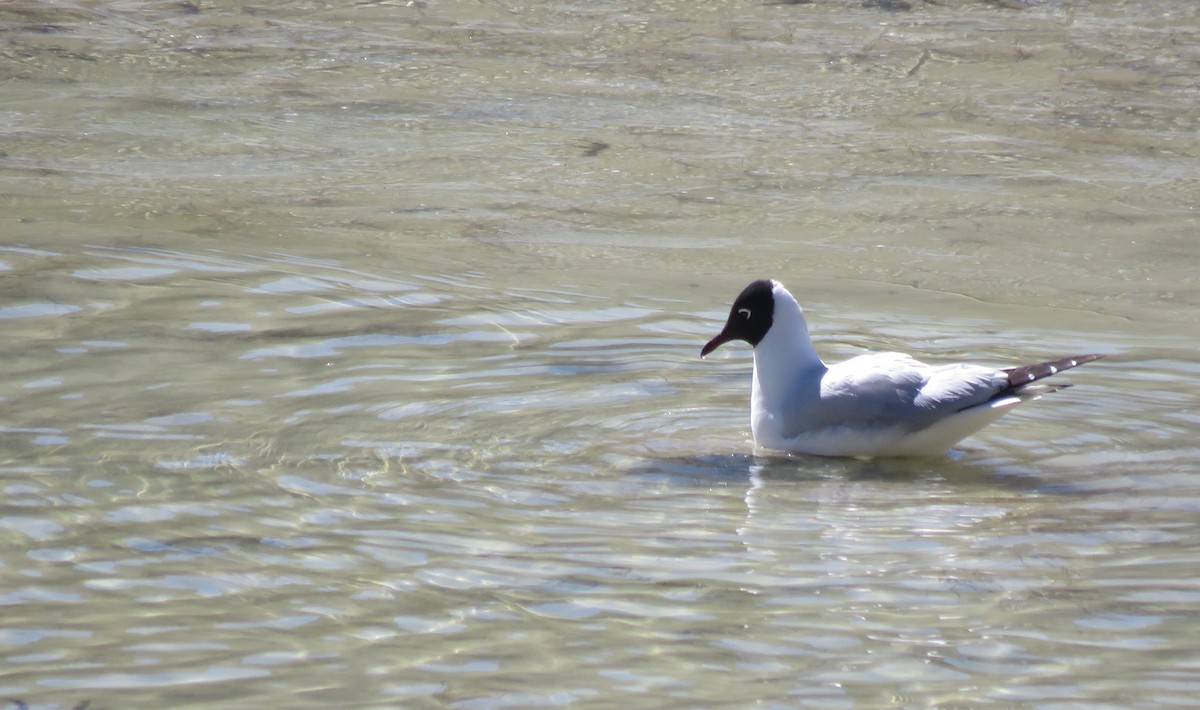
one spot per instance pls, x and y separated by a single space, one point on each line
493 496
350 353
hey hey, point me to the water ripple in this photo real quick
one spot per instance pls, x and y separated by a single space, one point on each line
354 368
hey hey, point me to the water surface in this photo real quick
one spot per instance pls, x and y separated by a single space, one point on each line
351 353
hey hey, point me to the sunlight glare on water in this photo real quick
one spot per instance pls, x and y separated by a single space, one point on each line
351 353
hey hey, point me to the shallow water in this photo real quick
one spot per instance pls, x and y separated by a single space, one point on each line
351 353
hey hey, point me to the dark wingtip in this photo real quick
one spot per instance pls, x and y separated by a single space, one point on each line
1020 376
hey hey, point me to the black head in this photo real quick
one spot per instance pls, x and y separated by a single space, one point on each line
750 317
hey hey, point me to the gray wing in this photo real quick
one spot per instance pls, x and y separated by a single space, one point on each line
893 390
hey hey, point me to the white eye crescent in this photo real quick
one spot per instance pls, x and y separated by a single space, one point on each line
745 312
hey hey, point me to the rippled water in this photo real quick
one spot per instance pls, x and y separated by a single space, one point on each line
352 354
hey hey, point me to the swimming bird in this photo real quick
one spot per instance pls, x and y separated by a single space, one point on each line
879 404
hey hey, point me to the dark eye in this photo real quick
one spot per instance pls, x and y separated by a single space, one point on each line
745 312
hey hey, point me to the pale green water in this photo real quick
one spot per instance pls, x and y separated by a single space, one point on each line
351 354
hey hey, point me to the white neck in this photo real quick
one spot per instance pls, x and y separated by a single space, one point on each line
785 351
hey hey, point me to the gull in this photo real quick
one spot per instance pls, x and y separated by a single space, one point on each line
879 404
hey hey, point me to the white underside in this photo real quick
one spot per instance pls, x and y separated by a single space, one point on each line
891 441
